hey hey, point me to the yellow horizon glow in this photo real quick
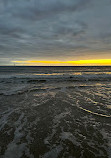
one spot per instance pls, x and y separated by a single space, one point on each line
97 62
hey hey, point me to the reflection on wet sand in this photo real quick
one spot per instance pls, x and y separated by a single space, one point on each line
95 113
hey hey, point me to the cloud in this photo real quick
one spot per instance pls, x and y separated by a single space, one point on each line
34 9
54 28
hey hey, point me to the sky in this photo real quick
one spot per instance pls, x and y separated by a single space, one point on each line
55 32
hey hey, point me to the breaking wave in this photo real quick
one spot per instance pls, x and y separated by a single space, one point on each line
48 77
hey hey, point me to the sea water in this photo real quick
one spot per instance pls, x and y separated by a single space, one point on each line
55 112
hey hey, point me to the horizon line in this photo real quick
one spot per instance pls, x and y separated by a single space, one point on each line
56 66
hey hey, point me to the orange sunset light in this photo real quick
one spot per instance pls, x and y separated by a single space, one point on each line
99 62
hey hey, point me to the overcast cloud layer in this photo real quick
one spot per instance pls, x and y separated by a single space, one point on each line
54 29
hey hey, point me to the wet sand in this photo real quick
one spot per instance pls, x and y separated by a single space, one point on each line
63 122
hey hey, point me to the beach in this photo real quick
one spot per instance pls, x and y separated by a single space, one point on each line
55 112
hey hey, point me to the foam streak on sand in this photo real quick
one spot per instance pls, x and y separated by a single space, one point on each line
4 118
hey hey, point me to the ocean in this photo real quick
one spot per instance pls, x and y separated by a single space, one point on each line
55 112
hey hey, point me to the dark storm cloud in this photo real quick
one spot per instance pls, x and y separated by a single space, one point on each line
53 28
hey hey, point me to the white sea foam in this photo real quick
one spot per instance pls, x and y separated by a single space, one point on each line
53 153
